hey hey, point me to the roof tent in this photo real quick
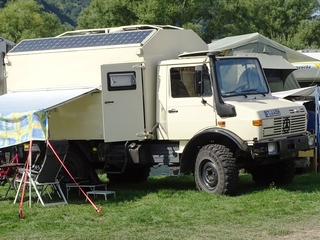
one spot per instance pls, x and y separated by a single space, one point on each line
255 43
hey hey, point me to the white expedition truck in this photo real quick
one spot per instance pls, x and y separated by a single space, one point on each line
133 97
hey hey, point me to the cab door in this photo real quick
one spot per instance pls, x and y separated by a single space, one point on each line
122 101
187 113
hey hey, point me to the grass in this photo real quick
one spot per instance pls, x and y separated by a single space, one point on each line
171 208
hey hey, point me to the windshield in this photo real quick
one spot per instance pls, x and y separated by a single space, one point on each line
241 76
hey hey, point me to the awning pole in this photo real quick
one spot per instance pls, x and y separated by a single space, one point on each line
29 159
316 121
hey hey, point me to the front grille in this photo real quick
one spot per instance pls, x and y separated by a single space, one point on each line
285 125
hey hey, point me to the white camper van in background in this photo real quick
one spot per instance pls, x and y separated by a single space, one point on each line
308 73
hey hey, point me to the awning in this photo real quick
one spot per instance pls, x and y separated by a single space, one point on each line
25 101
23 114
299 92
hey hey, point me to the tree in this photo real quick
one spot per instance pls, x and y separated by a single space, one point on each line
22 19
227 18
290 22
307 35
107 13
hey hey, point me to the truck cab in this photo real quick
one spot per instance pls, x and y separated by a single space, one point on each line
223 105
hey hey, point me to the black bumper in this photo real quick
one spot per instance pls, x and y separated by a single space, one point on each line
287 148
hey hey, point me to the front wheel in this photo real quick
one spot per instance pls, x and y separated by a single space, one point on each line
216 171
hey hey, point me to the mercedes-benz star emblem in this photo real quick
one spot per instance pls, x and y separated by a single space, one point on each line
286 125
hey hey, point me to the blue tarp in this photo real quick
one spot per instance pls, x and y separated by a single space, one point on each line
16 128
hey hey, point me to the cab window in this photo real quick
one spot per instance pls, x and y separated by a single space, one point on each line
182 83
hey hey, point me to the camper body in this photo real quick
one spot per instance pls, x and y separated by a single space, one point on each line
133 97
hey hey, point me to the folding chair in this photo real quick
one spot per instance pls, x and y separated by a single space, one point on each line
48 173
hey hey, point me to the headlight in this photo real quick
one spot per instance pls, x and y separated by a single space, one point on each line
311 141
272 148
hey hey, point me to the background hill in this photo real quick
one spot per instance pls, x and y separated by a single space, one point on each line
66 10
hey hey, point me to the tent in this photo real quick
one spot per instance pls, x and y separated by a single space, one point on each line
277 69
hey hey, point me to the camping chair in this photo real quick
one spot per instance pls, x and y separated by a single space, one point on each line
48 174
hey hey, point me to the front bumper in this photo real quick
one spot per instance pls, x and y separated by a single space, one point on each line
286 148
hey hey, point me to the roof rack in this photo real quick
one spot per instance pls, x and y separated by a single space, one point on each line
117 29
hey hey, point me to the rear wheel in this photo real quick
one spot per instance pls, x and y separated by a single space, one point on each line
216 171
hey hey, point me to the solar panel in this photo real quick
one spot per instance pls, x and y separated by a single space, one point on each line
94 40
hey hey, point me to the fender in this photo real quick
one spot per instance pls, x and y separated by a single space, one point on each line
212 135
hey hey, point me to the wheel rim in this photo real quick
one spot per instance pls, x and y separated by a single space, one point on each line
209 175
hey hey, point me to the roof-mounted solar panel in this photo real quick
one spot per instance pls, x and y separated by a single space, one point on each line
83 41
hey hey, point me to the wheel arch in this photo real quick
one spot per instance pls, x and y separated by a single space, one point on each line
209 136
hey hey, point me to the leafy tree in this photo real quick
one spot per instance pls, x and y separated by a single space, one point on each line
22 19
279 20
227 18
67 10
211 19
109 13
289 22
307 35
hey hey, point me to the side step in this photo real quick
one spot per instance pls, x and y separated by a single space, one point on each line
116 155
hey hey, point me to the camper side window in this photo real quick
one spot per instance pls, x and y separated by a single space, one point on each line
121 81
182 83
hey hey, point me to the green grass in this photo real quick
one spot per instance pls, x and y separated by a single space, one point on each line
171 208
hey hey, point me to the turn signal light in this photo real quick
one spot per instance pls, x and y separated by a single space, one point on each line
222 123
257 122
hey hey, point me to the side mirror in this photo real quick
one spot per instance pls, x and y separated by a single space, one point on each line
197 79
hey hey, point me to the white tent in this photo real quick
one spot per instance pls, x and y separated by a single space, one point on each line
256 43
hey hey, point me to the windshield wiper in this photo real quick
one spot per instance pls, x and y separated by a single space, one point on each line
254 91
234 93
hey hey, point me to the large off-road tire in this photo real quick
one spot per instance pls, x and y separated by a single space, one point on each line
216 171
136 174
278 173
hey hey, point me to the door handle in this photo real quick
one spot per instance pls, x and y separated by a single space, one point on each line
173 111
106 102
